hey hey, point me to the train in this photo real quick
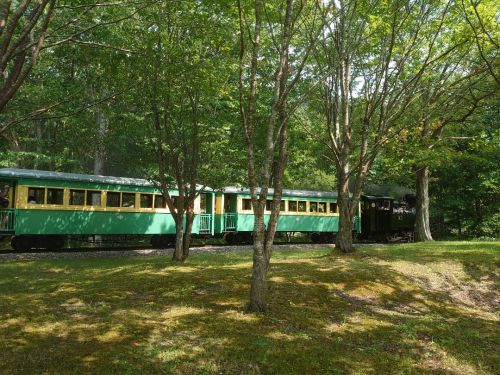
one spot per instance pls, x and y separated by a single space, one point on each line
385 219
44 209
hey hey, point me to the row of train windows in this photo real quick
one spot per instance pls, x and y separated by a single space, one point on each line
295 206
93 198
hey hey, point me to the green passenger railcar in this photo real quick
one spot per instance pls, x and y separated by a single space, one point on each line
41 209
312 212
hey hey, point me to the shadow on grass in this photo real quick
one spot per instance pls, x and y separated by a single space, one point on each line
341 315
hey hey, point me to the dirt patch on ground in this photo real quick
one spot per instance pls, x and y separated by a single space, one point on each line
451 280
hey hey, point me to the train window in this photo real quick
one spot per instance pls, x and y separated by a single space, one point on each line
55 196
94 198
159 201
292 206
282 206
302 206
128 200
146 200
247 204
113 199
269 205
333 207
322 207
227 203
77 197
36 195
313 206
386 204
203 203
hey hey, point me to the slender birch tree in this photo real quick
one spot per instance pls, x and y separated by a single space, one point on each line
182 76
453 92
276 37
371 60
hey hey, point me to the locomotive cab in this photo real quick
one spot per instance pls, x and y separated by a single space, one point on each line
385 219
376 216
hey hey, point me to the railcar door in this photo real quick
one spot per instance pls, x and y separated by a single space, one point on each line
206 213
230 203
230 212
7 206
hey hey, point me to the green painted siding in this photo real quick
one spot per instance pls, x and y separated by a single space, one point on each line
218 223
94 222
294 223
357 224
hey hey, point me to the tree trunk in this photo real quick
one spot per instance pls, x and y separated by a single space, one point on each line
187 235
344 235
422 225
258 286
39 137
441 224
459 224
102 130
479 214
179 239
100 152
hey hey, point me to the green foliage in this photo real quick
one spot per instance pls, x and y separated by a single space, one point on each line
489 228
104 70
465 178
308 165
183 67
55 110
466 193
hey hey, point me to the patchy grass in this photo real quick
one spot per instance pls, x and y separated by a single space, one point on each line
406 309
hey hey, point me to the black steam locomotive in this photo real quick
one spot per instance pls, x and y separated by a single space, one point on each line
384 219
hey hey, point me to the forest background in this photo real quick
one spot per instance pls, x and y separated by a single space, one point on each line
102 87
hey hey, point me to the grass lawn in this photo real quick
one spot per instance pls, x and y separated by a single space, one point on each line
406 309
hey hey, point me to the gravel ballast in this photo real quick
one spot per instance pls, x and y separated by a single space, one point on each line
126 253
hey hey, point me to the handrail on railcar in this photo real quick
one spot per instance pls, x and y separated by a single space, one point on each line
230 222
206 223
7 220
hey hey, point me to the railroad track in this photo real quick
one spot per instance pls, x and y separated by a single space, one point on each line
87 249
128 251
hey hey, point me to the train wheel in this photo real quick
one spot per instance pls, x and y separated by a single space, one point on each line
411 236
42 242
168 240
155 241
21 243
392 237
231 238
55 242
161 241
244 237
330 238
316 237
